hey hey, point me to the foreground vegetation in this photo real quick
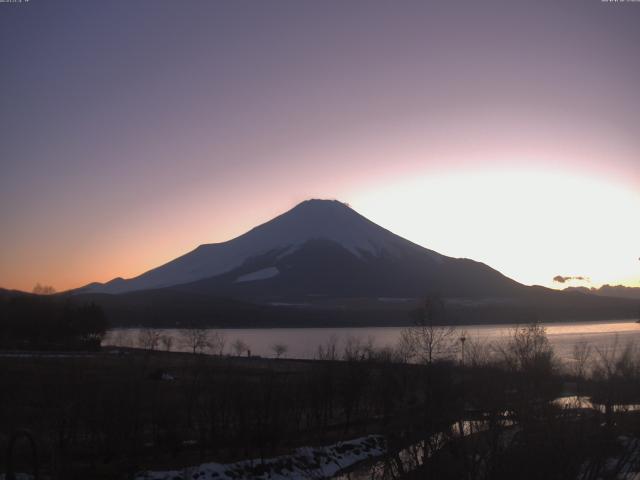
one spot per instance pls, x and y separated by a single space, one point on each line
447 406
44 322
113 414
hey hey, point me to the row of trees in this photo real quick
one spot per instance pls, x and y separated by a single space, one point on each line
422 344
193 340
35 322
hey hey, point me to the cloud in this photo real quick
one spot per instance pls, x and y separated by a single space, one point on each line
561 279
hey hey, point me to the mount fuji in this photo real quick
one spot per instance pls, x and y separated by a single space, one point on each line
320 247
321 263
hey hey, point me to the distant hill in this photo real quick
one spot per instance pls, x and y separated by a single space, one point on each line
49 322
176 308
618 291
13 293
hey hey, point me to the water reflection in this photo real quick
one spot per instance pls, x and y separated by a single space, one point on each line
411 457
395 465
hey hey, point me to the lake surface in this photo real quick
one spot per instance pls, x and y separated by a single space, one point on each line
304 342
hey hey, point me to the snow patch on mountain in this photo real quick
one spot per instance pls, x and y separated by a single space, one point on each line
263 274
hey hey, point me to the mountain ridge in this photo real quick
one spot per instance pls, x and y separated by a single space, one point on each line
310 220
617 291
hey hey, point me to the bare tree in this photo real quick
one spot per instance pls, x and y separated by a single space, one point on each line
616 371
356 348
217 342
279 349
43 289
239 347
427 340
528 348
167 342
369 348
195 339
353 349
580 366
149 338
329 351
405 349
581 357
477 352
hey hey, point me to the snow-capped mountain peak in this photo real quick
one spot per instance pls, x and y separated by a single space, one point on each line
323 219
310 220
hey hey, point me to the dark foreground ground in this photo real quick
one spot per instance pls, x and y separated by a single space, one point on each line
116 413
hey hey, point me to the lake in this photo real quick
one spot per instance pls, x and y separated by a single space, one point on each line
304 342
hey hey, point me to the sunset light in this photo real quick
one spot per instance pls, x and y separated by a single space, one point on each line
328 239
530 225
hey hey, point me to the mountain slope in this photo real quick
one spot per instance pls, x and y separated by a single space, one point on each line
325 269
618 291
310 221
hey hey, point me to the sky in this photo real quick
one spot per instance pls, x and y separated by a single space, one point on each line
133 131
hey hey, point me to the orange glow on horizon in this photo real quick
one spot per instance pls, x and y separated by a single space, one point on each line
465 215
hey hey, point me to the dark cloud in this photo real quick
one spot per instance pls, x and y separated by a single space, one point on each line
561 279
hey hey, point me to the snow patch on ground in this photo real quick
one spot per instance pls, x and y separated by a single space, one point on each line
263 274
305 462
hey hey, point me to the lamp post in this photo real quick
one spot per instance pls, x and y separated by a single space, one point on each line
463 339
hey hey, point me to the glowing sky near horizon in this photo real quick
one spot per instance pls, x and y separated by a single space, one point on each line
506 132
